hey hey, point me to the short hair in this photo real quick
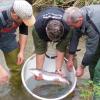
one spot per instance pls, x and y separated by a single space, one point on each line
54 30
72 13
30 1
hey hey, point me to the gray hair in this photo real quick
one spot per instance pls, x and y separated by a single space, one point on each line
54 30
73 13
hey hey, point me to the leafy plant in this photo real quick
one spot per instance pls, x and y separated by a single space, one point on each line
59 1
87 89
97 89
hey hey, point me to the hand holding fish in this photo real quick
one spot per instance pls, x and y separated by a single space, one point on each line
59 71
38 77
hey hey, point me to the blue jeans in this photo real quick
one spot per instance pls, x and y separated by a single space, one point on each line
8 42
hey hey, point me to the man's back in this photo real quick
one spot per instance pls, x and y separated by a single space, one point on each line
93 12
51 13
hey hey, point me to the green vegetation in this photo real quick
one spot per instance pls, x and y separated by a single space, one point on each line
87 89
63 3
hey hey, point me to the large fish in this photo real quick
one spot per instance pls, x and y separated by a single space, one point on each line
49 76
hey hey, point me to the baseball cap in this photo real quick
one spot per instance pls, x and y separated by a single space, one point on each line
24 10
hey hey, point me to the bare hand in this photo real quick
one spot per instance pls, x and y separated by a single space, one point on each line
39 77
59 71
20 58
4 76
70 65
80 71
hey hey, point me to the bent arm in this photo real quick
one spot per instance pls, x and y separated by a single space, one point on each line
40 60
61 50
22 42
40 49
76 34
23 30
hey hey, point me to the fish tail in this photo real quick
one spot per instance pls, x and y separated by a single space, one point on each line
63 80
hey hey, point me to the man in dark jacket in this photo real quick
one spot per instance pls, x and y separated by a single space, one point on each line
85 21
50 27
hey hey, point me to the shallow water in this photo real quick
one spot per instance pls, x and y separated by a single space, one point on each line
7 94
4 89
48 90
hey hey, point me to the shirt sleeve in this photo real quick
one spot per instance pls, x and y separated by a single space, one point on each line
91 45
63 44
23 29
40 44
76 34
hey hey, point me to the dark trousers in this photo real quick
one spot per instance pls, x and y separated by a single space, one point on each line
94 70
94 62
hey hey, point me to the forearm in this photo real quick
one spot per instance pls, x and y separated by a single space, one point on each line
59 59
22 42
40 60
70 57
